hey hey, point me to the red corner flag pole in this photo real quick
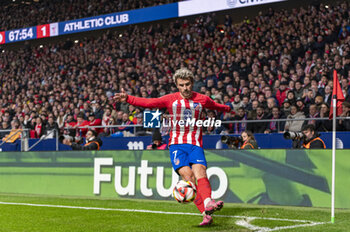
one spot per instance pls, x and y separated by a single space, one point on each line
337 95
336 110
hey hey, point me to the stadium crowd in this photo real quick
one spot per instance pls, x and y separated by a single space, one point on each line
276 65
19 14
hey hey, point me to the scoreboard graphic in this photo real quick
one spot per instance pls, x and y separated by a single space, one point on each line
161 12
92 23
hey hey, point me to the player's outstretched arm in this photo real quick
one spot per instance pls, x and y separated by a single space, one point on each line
142 102
210 104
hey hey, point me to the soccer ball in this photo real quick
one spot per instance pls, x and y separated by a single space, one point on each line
184 191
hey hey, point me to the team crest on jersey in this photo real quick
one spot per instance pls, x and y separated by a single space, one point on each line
196 106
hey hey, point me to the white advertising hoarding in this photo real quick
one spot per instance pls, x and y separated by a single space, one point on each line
204 6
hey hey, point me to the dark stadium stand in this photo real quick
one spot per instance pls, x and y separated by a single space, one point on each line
274 61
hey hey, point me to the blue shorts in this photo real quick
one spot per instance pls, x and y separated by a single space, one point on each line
186 155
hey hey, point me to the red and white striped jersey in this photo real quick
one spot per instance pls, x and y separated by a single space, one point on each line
181 109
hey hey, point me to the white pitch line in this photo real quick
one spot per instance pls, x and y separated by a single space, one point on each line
244 223
266 218
247 224
296 226
97 208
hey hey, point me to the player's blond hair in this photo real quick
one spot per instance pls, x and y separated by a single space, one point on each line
184 74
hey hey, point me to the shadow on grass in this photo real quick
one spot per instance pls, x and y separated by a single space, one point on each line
221 226
240 211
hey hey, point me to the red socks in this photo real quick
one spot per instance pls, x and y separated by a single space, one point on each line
199 201
204 188
203 193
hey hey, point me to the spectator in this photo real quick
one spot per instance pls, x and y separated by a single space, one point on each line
157 142
61 118
119 119
69 125
228 116
324 125
258 127
300 104
271 103
92 142
4 126
298 89
140 131
108 131
39 128
328 95
281 93
346 95
51 128
97 110
237 103
291 125
291 97
81 126
275 126
286 108
93 121
249 141
125 128
14 134
313 113
198 84
344 124
106 116
238 128
245 102
310 95
252 109
318 101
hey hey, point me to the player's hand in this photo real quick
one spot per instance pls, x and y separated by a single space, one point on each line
121 97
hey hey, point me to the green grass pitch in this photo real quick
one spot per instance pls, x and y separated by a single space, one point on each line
106 215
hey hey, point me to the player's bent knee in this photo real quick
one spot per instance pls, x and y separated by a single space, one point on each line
199 170
186 173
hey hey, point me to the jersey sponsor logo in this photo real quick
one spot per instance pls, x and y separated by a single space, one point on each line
151 119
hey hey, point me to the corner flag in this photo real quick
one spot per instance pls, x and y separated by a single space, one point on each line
336 94
336 110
